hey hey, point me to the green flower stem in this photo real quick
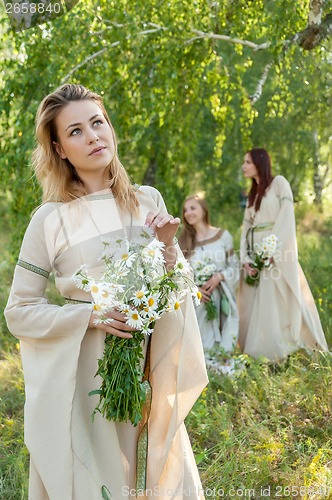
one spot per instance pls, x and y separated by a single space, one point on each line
121 397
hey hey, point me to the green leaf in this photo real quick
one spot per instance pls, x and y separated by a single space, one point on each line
105 492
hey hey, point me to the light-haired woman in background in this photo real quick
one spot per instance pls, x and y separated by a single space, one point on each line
211 253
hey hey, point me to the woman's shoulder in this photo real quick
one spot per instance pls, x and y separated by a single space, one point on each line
43 212
226 236
149 190
153 194
44 209
280 180
282 186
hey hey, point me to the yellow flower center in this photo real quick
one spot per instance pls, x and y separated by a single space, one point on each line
94 289
124 256
151 301
176 305
199 295
105 294
151 253
96 307
135 316
139 294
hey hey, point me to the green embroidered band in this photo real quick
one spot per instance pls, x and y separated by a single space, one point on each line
142 442
34 269
101 196
76 301
263 226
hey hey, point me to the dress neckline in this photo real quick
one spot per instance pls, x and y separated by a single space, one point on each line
209 240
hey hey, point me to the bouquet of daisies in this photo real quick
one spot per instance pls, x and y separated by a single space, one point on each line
136 283
203 270
262 255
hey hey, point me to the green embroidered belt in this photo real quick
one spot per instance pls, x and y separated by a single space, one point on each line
263 226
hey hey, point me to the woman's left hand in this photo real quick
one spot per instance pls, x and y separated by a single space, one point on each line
163 225
213 282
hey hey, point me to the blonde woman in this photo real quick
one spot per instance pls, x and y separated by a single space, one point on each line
211 253
87 195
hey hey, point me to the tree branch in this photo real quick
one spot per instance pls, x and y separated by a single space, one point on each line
259 89
225 38
114 44
86 60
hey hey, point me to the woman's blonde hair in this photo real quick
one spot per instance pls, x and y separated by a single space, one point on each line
187 238
57 176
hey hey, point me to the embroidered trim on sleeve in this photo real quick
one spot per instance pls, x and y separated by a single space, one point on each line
286 198
281 198
34 269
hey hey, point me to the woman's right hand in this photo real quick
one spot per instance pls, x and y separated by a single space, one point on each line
251 271
206 296
117 326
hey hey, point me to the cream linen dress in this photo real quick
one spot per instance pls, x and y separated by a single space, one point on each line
279 316
221 332
73 458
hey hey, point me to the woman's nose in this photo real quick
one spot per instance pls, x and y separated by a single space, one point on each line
92 136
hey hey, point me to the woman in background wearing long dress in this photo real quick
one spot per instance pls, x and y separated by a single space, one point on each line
206 245
279 315
88 198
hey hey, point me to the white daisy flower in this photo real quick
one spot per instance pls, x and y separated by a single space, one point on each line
134 320
139 296
150 305
196 294
182 266
81 278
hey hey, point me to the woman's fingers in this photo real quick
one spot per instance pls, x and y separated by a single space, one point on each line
164 226
117 325
205 294
160 219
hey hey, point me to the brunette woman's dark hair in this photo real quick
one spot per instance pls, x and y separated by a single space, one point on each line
261 159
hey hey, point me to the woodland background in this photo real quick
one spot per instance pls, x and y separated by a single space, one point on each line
191 85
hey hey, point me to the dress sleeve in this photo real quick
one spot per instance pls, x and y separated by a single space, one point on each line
155 195
28 313
286 258
244 257
231 272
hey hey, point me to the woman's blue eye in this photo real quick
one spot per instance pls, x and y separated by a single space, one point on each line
75 131
98 122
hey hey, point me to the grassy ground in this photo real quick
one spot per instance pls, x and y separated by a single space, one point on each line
265 432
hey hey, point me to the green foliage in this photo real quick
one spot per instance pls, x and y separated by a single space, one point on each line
180 103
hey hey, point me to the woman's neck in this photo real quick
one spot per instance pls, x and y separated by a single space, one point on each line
94 184
202 231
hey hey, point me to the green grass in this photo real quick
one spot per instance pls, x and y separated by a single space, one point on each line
255 434
13 454
266 427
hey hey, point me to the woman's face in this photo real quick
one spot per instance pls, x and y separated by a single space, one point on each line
249 169
84 137
193 212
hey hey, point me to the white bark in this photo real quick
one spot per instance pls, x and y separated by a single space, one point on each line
225 38
259 89
315 12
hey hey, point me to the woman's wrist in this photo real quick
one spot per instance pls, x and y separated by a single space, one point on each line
171 243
